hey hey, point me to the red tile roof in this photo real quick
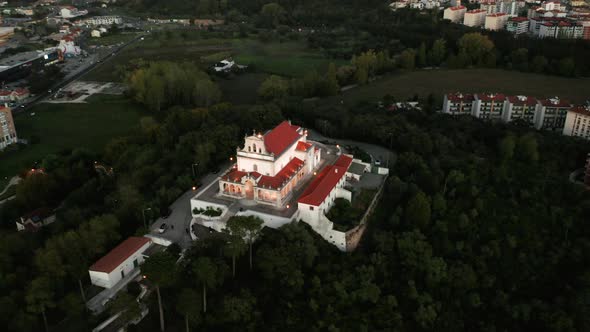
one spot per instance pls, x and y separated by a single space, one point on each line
457 8
281 137
343 161
5 93
303 146
119 254
555 103
522 100
491 97
497 15
282 176
457 97
317 191
583 110
476 11
518 19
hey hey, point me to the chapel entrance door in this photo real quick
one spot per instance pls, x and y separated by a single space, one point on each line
249 190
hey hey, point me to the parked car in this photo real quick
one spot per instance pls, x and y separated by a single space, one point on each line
162 228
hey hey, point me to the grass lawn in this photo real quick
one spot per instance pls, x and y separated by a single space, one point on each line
112 39
241 89
63 126
291 58
406 85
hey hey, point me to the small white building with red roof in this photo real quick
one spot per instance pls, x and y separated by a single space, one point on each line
119 262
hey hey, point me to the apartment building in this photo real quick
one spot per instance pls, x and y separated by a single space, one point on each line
577 122
455 14
562 29
489 106
475 18
7 130
496 21
103 20
517 25
458 103
551 113
520 108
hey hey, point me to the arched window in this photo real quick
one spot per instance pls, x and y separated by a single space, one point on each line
255 167
249 149
254 146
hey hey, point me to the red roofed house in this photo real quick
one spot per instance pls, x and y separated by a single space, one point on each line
577 122
270 166
551 113
119 262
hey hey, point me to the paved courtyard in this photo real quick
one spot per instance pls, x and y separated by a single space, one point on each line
79 91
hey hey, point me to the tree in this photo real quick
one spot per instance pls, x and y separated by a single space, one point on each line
527 148
40 297
272 14
189 307
274 87
207 273
247 228
159 269
421 55
234 247
567 66
477 47
506 147
407 59
438 52
126 305
539 64
418 210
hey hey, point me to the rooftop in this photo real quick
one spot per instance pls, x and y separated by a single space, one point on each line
491 97
583 110
326 180
281 137
457 8
555 102
523 100
119 254
518 19
457 97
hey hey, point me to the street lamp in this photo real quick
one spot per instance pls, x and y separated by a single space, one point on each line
143 214
193 168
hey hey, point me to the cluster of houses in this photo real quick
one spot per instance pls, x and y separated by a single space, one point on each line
550 19
550 114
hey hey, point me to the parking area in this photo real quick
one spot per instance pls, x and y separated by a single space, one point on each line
79 91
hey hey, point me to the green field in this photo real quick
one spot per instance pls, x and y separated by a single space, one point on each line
438 82
63 126
291 58
112 39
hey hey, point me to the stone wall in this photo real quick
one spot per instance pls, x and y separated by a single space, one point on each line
354 236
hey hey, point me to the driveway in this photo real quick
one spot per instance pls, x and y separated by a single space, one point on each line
179 220
376 151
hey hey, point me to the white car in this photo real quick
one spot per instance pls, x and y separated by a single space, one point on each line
223 65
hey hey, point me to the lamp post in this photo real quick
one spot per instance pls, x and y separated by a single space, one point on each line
193 168
143 214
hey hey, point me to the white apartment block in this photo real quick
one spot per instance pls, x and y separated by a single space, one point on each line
458 104
475 18
103 20
7 130
488 106
551 113
552 5
517 25
496 21
577 122
520 108
455 14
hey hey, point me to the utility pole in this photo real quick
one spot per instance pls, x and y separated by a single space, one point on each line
143 214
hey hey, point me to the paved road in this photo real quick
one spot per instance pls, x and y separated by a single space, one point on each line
376 151
74 76
181 216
